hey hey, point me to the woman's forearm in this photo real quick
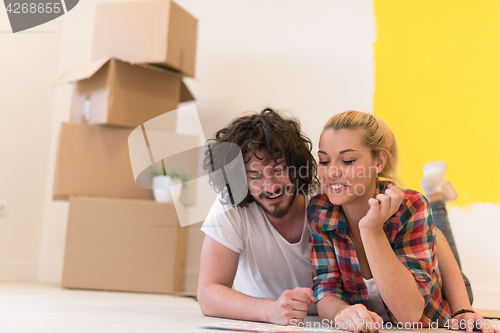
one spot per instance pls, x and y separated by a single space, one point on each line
394 281
453 284
330 306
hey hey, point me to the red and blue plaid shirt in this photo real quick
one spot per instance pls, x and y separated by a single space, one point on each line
412 235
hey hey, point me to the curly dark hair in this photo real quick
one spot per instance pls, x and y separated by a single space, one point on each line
277 137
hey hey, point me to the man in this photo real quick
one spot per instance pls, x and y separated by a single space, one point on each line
261 245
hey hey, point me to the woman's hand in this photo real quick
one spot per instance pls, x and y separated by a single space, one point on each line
382 207
470 321
357 318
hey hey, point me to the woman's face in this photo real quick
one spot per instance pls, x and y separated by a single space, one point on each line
346 169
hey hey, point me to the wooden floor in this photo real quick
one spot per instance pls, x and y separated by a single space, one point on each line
40 308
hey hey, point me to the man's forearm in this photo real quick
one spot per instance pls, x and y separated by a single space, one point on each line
220 301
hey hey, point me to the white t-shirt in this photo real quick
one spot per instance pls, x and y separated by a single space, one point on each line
376 303
268 263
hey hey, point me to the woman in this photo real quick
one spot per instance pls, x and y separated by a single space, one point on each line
371 265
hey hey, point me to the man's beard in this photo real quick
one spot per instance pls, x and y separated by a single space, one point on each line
278 212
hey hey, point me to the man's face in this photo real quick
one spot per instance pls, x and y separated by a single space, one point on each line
269 184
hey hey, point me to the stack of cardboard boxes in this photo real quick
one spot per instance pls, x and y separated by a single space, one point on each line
118 237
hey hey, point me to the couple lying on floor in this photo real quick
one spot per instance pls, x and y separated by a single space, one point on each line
337 238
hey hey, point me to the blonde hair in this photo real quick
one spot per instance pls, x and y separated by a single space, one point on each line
376 135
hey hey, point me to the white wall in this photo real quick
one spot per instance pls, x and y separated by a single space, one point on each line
475 228
311 58
28 62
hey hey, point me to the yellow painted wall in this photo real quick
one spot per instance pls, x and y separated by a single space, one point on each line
437 84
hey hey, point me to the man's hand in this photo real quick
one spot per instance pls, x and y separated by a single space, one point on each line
382 207
292 304
357 318
471 321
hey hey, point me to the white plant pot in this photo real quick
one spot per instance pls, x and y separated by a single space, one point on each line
162 191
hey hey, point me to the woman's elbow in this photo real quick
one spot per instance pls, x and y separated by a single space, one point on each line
410 318
411 315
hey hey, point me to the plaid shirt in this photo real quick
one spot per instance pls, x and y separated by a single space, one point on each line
412 235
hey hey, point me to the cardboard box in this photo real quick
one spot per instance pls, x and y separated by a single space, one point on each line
153 151
158 32
122 244
113 92
94 161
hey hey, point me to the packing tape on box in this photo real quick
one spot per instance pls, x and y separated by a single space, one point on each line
214 171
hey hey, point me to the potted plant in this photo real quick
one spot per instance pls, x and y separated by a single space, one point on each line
161 185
